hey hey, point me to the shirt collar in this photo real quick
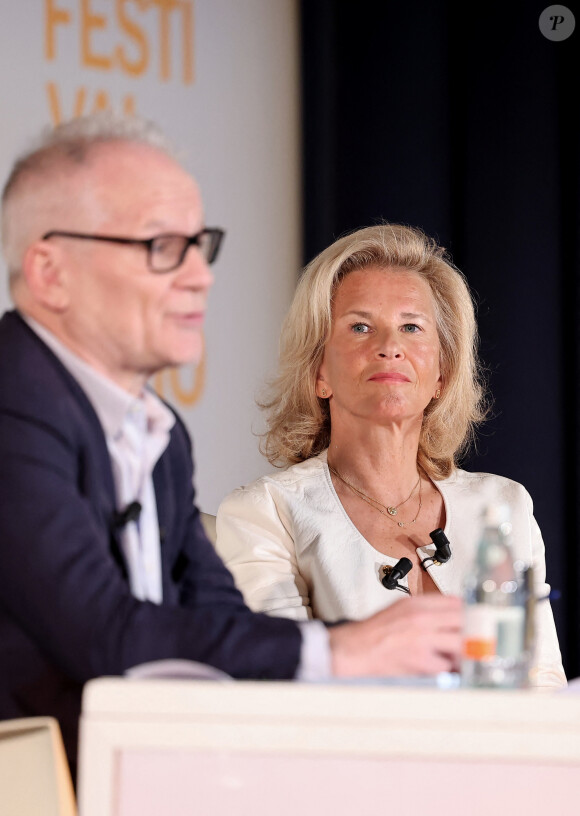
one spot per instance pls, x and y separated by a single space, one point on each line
112 403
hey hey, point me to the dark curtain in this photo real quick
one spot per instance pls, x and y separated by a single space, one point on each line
462 120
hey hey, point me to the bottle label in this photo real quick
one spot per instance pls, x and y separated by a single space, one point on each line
493 631
479 632
510 631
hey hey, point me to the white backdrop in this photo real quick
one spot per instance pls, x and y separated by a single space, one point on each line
221 77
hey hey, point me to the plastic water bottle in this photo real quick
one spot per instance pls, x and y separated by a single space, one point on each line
496 635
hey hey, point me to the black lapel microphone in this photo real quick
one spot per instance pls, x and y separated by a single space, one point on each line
131 513
392 575
442 549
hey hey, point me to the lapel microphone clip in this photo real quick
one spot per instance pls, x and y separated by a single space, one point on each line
392 575
442 550
131 513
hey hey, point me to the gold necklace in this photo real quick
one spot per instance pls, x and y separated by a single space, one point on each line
388 511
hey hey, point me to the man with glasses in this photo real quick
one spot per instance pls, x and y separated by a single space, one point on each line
104 563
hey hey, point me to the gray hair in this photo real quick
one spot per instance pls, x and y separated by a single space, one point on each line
67 145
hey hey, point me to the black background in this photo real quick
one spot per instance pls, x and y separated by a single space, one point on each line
462 120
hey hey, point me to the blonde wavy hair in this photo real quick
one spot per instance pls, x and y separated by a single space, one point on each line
299 421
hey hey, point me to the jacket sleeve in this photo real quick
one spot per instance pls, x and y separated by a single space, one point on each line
255 541
548 671
63 587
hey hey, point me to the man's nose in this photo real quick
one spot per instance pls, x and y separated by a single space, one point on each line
195 272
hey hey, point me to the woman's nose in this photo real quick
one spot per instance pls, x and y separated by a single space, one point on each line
390 346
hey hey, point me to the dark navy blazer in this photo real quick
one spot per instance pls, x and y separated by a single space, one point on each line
66 611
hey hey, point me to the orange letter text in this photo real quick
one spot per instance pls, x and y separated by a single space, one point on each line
89 22
139 65
53 16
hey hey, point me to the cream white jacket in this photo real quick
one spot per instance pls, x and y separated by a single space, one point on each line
294 551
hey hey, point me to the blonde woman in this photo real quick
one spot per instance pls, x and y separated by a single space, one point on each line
378 395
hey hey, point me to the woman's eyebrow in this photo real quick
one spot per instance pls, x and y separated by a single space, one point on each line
366 315
403 315
414 315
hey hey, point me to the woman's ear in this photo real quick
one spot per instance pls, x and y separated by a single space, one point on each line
45 276
322 389
438 388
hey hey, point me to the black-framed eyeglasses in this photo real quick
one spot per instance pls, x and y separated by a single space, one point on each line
164 252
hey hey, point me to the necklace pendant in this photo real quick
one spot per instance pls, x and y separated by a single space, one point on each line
392 511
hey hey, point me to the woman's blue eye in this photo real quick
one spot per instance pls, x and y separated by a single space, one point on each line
411 328
360 328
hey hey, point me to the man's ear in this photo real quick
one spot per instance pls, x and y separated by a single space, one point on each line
45 276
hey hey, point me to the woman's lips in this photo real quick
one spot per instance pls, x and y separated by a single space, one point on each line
389 376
